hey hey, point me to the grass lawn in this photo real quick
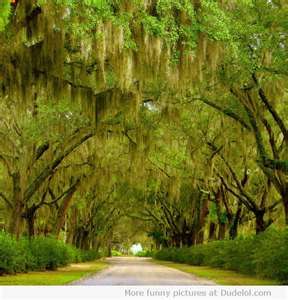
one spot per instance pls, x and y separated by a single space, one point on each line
219 276
61 276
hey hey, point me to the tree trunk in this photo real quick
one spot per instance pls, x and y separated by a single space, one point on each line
109 254
212 231
176 240
157 244
15 223
221 232
77 239
30 223
285 203
218 201
16 214
260 223
233 231
203 215
73 225
200 237
29 215
186 238
64 207
95 244
193 237
85 240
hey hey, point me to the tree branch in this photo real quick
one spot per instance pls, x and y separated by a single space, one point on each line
226 111
6 200
66 192
50 168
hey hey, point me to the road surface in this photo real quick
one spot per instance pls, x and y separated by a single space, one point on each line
140 271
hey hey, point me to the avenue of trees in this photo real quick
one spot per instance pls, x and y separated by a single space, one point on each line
158 116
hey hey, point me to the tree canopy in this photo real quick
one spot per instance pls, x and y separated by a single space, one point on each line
165 115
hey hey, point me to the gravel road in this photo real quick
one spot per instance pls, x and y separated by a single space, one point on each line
140 271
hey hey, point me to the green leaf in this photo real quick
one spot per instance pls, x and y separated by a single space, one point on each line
5 10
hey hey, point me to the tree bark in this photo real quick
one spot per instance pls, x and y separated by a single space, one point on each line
212 231
260 223
285 203
218 201
109 248
73 226
29 215
200 237
233 231
64 207
176 240
85 240
18 206
31 225
203 215
221 232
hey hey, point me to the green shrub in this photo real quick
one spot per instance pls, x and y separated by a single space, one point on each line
8 254
144 253
25 261
239 254
14 255
116 253
89 255
49 253
264 255
39 253
166 254
74 254
271 255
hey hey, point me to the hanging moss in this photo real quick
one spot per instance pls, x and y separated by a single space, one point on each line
47 44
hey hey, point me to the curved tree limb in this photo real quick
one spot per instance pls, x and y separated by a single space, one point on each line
6 200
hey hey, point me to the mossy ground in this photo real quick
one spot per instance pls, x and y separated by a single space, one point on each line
219 276
60 277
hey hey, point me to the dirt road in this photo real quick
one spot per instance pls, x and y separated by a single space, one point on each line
140 271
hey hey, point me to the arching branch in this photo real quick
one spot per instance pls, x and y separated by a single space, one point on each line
5 199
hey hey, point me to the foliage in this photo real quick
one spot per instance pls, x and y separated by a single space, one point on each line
88 255
144 253
270 255
48 253
116 253
97 126
14 256
53 120
4 13
264 255
40 253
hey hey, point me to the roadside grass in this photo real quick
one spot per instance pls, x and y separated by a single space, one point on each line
219 276
62 276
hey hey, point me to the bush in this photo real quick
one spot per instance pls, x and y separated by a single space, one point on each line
9 254
89 255
116 253
264 255
39 253
49 253
271 255
75 255
144 253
